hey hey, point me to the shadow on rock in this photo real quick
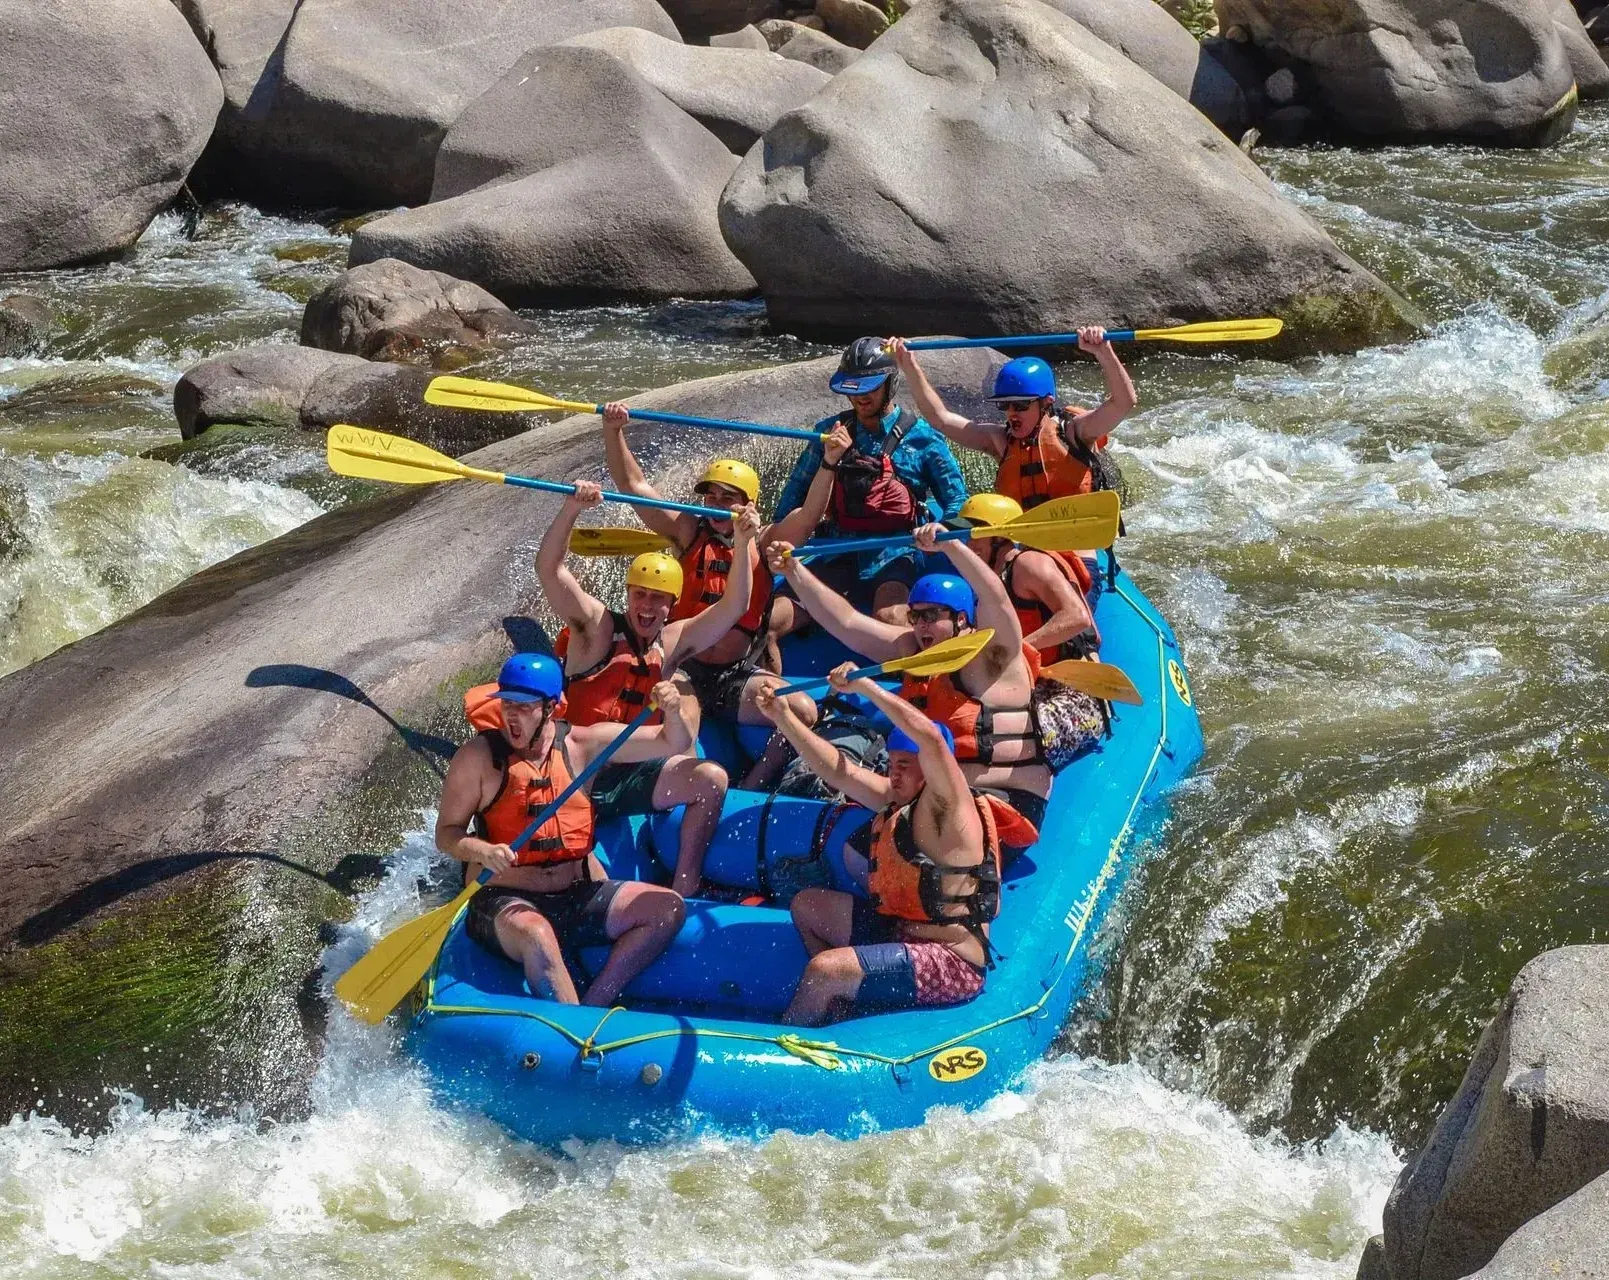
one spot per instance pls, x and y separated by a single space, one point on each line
431 748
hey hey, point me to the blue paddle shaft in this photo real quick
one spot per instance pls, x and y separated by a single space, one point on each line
576 783
1028 340
664 504
812 549
821 682
718 424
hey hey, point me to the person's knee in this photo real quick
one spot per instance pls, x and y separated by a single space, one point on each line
834 968
806 906
533 935
710 782
803 706
664 911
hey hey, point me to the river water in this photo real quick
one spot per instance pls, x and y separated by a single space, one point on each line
1387 573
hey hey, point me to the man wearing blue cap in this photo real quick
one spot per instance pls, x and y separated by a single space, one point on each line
898 473
548 899
920 936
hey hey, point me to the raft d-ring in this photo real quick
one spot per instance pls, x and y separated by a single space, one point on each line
591 1060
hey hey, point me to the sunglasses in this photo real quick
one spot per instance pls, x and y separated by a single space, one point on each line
929 615
1016 406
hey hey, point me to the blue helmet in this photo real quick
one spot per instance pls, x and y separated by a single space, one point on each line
947 591
865 367
530 677
1025 378
899 740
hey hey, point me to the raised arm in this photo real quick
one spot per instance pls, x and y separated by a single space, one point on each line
628 477
796 526
702 630
1120 394
876 639
984 437
823 759
583 613
994 605
939 767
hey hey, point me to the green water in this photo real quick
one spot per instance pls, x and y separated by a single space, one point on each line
1387 573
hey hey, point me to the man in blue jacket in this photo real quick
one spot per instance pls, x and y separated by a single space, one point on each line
898 474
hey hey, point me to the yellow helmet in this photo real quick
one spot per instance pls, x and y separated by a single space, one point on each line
655 571
990 508
734 474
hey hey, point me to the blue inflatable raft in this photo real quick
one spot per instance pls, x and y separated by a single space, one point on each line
697 1046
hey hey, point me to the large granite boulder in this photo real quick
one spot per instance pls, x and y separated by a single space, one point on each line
390 310
275 721
25 323
1586 63
573 179
1108 198
737 94
1568 1242
1528 1127
361 93
1150 37
1485 71
817 49
308 389
106 104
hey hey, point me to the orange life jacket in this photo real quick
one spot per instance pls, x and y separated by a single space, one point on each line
1043 466
706 564
1033 614
969 720
905 884
615 688
527 788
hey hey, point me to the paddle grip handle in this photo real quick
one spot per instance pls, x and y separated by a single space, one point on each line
609 495
721 424
1026 340
813 549
576 783
821 682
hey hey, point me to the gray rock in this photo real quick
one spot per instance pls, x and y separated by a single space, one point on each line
1528 1126
308 389
1151 38
390 310
1568 1242
737 94
1281 87
255 386
613 197
702 19
748 37
1372 1265
778 31
849 234
854 22
244 39
1483 71
1586 63
25 323
106 104
819 50
366 89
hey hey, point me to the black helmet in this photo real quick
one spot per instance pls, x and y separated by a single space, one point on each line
865 367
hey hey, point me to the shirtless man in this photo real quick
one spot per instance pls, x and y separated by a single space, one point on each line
987 705
549 897
920 937
726 675
612 661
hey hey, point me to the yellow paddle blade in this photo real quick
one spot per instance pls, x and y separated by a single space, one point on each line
1098 679
1215 331
944 657
1083 522
374 455
498 397
599 541
381 980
